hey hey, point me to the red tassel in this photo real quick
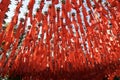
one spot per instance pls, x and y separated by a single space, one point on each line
61 45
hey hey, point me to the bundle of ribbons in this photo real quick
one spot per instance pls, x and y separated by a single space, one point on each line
77 40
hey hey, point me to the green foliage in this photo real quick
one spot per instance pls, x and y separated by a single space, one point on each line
15 78
116 78
11 78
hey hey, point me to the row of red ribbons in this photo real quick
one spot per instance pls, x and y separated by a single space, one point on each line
78 40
